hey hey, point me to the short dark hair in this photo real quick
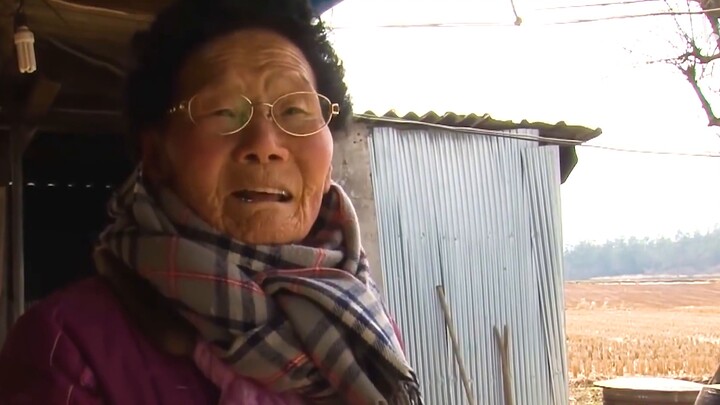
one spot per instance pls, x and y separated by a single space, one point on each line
187 25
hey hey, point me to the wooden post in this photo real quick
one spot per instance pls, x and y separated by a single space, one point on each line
455 344
18 140
4 301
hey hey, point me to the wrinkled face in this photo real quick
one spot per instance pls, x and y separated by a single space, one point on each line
260 185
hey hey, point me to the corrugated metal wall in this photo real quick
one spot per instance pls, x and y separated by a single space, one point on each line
481 216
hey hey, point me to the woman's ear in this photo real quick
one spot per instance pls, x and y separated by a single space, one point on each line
328 180
152 156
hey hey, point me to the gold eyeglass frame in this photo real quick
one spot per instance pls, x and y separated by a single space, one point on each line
186 106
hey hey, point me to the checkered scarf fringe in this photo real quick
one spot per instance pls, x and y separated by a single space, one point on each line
302 318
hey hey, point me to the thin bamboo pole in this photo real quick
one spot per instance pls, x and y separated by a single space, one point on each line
455 345
503 344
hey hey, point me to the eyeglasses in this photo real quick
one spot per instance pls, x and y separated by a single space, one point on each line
301 113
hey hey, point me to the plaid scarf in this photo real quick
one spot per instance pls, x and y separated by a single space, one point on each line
302 318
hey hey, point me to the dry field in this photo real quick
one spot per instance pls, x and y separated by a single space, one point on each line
655 329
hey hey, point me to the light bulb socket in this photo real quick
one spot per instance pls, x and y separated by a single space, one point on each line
20 19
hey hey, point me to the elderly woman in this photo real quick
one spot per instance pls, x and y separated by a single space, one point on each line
232 271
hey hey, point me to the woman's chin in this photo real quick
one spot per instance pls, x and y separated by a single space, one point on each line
265 227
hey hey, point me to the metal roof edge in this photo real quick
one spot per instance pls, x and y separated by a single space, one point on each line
559 130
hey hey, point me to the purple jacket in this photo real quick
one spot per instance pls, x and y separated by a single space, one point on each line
77 347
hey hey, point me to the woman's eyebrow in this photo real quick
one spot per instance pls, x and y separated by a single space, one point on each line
217 87
285 77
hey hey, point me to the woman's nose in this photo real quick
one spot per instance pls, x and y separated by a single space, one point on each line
261 141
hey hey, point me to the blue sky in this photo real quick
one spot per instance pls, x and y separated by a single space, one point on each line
593 74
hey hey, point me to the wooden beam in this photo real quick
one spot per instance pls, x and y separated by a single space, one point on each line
39 100
78 77
88 102
24 104
130 6
106 34
7 9
78 122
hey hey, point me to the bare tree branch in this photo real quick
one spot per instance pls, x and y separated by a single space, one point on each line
705 59
690 75
697 64
710 10
670 61
695 54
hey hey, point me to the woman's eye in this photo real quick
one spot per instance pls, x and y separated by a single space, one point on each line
294 110
224 113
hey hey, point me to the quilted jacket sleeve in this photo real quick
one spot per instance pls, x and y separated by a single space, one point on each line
39 364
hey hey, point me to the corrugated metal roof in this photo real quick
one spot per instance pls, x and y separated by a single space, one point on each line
558 130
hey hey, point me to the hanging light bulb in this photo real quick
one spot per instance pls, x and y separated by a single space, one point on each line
24 44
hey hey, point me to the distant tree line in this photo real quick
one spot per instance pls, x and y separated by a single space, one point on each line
683 255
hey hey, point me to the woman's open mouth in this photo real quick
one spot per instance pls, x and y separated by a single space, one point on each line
257 195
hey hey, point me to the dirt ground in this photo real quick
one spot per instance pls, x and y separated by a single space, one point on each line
651 328
655 295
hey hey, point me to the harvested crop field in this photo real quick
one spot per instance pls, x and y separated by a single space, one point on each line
668 329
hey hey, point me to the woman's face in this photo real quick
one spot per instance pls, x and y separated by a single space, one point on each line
259 185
